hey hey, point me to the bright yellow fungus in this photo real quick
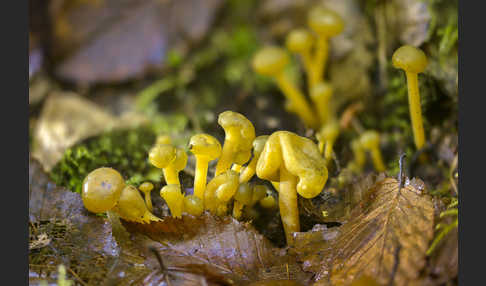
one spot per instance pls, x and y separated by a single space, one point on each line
249 171
271 61
413 61
243 197
161 156
239 135
220 190
359 155
171 172
102 189
325 23
321 95
259 192
268 202
205 148
370 140
163 139
296 163
146 188
193 205
131 207
327 137
174 198
300 41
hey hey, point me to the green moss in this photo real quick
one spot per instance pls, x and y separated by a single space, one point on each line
123 150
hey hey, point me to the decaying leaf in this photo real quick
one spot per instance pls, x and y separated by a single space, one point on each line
81 241
111 40
219 248
386 241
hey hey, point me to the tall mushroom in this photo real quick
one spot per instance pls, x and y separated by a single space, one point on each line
325 23
370 140
321 95
239 135
271 61
161 156
205 148
300 41
296 163
413 61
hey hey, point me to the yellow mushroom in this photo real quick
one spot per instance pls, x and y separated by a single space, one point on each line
259 192
370 140
359 155
327 136
161 156
205 148
296 163
102 189
325 23
146 188
220 190
243 197
163 139
174 198
300 41
131 207
249 171
413 61
268 202
193 205
239 135
171 172
271 61
321 94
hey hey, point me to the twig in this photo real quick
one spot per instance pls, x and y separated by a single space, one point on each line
400 173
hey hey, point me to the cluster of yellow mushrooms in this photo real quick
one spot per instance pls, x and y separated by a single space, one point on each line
312 46
293 164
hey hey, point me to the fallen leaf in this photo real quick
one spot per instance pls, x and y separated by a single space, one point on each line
387 240
219 248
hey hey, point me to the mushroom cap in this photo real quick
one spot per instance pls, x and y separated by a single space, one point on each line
163 139
221 189
410 59
321 90
329 131
244 193
299 40
193 205
370 139
161 155
180 160
146 187
131 205
240 131
270 60
325 22
259 143
101 189
300 156
205 145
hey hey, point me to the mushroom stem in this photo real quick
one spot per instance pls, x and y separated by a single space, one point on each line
320 59
171 176
287 201
297 99
377 160
328 150
249 171
227 157
200 176
415 109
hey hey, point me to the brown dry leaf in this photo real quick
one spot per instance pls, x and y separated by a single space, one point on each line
386 241
71 236
111 40
221 249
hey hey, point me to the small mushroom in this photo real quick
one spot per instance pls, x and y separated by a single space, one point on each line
268 201
163 139
220 190
413 61
174 198
146 188
259 192
249 171
271 61
205 148
161 156
296 163
102 189
193 205
131 206
325 23
327 136
171 172
321 95
243 197
300 41
359 155
370 140
239 135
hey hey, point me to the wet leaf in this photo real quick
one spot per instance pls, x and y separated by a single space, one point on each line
71 236
110 40
386 241
219 248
